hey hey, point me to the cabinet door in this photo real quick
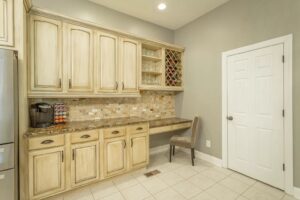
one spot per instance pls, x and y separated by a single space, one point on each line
106 63
46 172
85 163
115 161
45 54
6 22
139 151
130 65
79 58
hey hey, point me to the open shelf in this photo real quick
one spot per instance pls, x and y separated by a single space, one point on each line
151 58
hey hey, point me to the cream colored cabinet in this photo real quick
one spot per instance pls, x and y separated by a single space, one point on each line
129 65
85 163
106 63
139 150
46 172
6 23
78 48
45 72
115 156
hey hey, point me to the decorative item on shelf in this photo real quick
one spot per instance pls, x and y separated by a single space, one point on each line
60 113
173 68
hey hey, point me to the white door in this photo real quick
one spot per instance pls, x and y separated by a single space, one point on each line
255 103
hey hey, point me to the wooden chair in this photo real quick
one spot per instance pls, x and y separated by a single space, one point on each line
186 141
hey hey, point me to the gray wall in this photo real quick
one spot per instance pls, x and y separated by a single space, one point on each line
108 18
235 24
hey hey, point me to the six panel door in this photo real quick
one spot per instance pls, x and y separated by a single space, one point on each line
106 63
47 172
85 163
78 48
139 152
45 54
255 101
6 23
130 65
115 159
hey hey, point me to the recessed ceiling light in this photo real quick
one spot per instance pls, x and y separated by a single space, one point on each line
162 6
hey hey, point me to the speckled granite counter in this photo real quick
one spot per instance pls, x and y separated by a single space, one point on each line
106 123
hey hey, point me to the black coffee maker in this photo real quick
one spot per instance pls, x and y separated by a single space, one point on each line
41 115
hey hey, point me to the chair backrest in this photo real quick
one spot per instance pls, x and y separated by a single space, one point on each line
195 131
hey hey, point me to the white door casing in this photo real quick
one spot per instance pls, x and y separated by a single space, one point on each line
270 136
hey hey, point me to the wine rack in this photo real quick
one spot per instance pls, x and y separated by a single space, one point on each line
173 68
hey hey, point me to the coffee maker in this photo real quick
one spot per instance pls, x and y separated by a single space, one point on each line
41 115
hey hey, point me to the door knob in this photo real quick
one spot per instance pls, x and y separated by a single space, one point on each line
230 118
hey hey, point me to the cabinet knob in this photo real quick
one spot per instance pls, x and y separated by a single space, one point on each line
139 129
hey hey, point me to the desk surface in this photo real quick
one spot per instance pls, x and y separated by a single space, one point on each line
106 123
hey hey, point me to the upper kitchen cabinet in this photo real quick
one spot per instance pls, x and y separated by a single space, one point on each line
78 51
45 57
129 65
6 23
106 63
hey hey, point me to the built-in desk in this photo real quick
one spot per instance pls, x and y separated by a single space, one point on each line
168 125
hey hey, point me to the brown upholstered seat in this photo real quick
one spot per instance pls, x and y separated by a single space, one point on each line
186 141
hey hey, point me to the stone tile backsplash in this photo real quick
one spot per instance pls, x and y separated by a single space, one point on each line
151 105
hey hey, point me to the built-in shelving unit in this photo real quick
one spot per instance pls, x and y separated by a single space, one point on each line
161 68
152 66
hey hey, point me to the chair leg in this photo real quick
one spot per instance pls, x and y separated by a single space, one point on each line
170 153
192 156
194 153
173 150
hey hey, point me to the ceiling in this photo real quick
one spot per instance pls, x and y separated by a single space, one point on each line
177 14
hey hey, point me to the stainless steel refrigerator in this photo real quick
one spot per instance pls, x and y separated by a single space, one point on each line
8 125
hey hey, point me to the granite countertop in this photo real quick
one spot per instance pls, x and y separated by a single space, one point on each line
105 123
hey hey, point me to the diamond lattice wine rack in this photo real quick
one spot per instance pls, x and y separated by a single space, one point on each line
173 71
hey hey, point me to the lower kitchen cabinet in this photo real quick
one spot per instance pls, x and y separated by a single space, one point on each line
85 163
115 156
139 151
46 172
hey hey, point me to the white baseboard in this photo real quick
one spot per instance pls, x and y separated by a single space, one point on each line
208 158
297 192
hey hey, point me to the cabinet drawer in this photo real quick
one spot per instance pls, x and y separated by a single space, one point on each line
84 136
139 128
114 132
46 142
182 126
158 130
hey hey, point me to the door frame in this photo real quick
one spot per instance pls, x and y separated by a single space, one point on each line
287 42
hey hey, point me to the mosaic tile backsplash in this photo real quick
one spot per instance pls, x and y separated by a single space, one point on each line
151 105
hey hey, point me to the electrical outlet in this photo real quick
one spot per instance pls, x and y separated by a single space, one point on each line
208 143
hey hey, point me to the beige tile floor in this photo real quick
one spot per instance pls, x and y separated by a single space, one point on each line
178 181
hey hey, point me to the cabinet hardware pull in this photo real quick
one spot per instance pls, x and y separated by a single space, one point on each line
73 154
47 142
123 86
117 85
62 156
115 132
85 136
125 144
60 83
70 83
139 128
131 142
